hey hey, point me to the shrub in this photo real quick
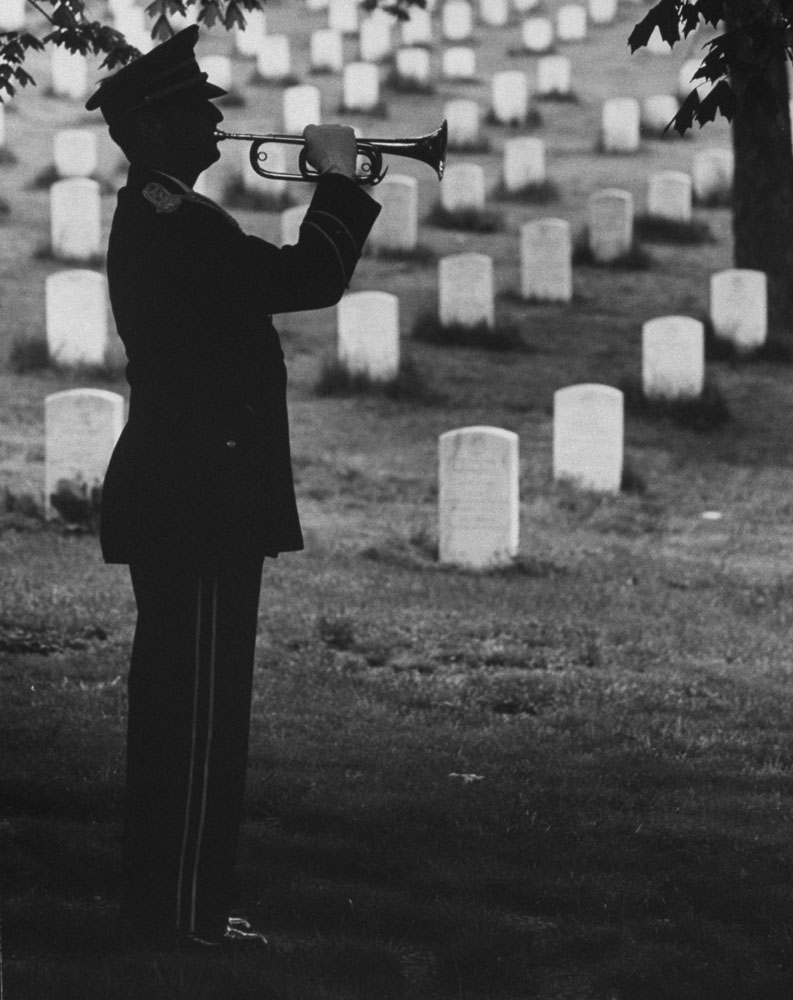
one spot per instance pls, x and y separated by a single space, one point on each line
472 220
77 505
504 336
707 412
657 229
20 511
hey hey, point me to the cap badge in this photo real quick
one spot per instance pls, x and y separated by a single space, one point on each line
162 199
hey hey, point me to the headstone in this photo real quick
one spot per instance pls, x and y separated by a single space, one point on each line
537 34
478 497
509 96
739 307
621 120
546 271
290 222
524 162
658 111
374 37
12 15
685 81
218 69
457 20
248 40
494 13
610 225
465 290
459 63
417 30
571 23
273 58
361 84
673 358
75 219
301 107
74 152
343 16
602 11
317 4
368 334
669 196
327 50
81 427
130 20
588 430
553 76
524 6
413 64
76 317
463 121
69 73
396 228
463 187
711 174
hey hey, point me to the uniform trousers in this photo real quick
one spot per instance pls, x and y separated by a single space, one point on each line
189 690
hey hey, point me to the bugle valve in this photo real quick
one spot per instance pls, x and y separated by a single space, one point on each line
429 149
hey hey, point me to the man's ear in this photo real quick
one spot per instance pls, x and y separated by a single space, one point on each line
151 128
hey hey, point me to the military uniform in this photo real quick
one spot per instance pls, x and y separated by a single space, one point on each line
198 491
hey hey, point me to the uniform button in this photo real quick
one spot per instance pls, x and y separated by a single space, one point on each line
231 444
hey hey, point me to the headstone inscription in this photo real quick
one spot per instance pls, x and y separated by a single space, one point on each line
457 20
553 76
711 174
478 497
368 334
588 429
273 57
69 73
673 358
465 290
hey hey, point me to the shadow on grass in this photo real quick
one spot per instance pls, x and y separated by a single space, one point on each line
636 258
471 220
503 336
707 412
657 229
773 351
409 384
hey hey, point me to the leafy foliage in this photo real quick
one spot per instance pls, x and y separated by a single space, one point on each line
736 61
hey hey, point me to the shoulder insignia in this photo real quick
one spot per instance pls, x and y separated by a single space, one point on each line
162 199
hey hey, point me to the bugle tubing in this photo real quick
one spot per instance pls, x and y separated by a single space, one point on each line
429 149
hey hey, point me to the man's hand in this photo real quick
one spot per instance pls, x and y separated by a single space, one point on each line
331 149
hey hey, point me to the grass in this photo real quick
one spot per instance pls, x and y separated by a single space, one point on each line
502 336
473 220
531 119
409 383
706 412
535 193
636 258
658 229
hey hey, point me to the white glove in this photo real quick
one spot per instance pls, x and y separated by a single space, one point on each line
331 149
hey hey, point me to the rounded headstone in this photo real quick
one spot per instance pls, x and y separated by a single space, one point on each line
588 431
75 219
463 121
76 317
546 271
459 63
301 107
610 224
368 334
273 57
343 16
327 50
463 187
553 75
523 163
12 15
396 228
537 34
602 11
374 37
658 111
669 196
685 81
69 73
218 69
413 64
739 307
465 290
74 152
621 118
673 358
494 13
361 82
417 29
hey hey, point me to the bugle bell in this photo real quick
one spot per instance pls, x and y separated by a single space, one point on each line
429 149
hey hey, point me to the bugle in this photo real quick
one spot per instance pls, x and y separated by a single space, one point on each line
429 149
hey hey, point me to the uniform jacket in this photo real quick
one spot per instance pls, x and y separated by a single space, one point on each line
202 469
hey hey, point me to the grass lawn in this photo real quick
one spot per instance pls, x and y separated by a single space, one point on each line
568 780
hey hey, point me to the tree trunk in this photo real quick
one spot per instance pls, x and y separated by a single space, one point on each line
763 198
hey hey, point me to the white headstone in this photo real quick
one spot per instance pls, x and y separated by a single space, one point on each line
374 37
524 6
553 75
588 431
673 358
218 68
463 187
739 307
368 334
465 290
658 111
317 4
81 427
301 106
524 162
621 118
273 58
685 81
131 21
417 30
361 84
76 317
75 219
413 64
546 271
610 225
457 20
343 16
571 23
290 221
463 121
248 40
396 227
602 11
712 172
478 497
669 196
69 73
509 96
327 50
12 15
494 13
74 152
537 34
459 63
